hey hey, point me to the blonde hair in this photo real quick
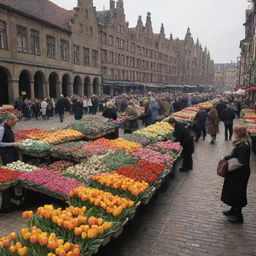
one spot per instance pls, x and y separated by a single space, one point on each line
241 132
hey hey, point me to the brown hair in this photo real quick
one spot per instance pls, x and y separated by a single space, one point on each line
241 132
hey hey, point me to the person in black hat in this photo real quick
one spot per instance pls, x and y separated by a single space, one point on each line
186 140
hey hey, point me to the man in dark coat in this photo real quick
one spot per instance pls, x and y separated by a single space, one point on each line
228 116
200 123
95 104
78 109
61 103
8 153
186 140
220 106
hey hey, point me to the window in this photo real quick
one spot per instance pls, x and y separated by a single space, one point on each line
103 37
104 56
133 47
86 57
111 39
51 48
35 42
86 14
104 71
111 58
22 39
64 50
91 31
3 35
94 58
76 54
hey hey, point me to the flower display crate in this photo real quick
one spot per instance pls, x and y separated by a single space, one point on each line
36 155
42 190
68 158
147 200
7 185
100 135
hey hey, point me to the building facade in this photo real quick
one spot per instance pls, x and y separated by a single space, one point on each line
46 50
247 60
226 76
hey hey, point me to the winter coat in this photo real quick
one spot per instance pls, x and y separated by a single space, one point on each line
154 112
200 119
220 107
78 110
131 124
43 107
234 192
110 113
61 103
184 137
213 123
228 116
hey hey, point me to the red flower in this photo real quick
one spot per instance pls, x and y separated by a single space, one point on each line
143 171
8 175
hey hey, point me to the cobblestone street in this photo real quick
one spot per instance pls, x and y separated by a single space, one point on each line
184 218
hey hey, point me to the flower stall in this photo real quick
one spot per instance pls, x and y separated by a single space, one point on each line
249 117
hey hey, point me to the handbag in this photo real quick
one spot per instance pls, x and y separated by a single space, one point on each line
222 168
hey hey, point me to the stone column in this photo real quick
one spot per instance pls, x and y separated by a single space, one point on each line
112 90
46 89
90 90
32 89
13 90
58 89
70 89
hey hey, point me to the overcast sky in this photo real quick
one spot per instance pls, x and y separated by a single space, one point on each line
217 23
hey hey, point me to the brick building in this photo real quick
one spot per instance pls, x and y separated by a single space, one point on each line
46 50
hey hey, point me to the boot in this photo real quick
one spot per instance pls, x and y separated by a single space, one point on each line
230 212
237 219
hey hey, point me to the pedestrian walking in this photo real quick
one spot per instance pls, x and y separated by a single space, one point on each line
44 108
146 116
234 192
61 103
154 111
131 124
200 124
78 109
227 117
182 134
213 124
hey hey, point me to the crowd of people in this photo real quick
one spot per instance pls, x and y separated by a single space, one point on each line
155 104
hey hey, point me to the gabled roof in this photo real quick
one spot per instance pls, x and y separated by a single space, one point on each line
44 10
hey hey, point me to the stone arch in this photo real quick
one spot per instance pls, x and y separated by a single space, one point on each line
96 86
5 77
77 86
39 81
87 82
24 84
53 85
66 79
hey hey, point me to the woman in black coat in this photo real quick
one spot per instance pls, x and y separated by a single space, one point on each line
78 109
236 180
183 135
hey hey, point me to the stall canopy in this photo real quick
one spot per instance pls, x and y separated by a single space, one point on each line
240 92
251 89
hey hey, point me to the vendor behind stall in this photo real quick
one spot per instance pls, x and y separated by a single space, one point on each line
7 142
8 153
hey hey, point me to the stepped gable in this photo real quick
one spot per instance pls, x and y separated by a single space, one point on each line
44 10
